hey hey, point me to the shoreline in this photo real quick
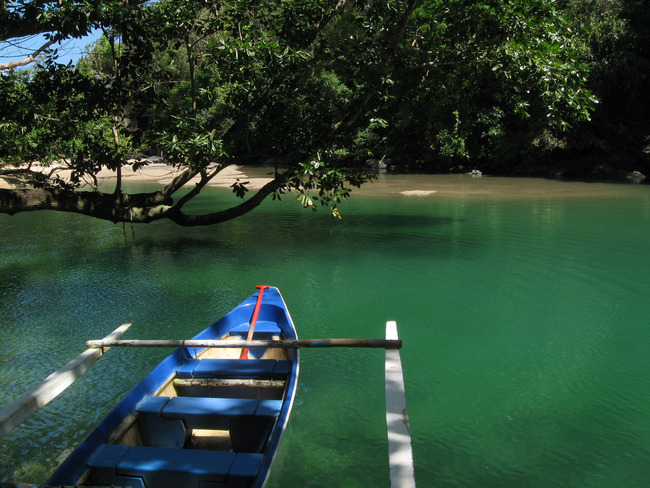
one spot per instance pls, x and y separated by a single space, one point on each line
163 174
421 186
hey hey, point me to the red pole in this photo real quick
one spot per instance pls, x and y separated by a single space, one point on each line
256 312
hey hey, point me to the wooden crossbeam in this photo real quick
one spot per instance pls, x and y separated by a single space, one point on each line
284 344
227 382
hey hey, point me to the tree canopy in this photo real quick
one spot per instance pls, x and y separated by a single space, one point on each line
319 85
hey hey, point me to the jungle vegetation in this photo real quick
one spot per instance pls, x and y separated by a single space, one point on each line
534 87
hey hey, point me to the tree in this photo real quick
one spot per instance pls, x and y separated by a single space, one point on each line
618 33
481 81
323 84
85 120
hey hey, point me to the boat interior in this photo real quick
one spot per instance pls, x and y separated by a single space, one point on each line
206 427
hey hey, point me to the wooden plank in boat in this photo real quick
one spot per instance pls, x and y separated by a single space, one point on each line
262 344
251 383
230 388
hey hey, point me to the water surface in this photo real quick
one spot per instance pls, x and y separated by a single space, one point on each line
522 305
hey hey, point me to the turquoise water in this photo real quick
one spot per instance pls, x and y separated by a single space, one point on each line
522 305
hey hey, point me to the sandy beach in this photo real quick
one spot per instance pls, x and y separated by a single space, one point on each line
162 174
404 185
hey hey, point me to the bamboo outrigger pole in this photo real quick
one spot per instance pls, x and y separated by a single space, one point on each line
400 452
31 401
284 344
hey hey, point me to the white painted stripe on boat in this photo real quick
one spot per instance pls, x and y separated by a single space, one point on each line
400 452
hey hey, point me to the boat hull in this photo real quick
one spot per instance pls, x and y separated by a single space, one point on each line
202 417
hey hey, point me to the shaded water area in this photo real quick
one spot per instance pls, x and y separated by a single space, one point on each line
522 305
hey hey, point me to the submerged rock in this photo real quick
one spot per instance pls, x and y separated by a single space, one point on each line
635 177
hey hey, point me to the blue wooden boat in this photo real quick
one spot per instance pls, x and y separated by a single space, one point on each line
203 417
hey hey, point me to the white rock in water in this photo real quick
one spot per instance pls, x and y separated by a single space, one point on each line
636 177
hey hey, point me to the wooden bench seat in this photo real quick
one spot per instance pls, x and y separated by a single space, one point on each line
234 368
167 422
147 467
254 388
263 330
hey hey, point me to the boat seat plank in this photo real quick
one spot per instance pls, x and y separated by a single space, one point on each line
282 369
264 329
254 388
215 413
247 419
234 368
171 468
172 434
104 461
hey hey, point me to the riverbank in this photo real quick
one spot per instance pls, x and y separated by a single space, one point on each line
163 174
466 185
410 185
156 172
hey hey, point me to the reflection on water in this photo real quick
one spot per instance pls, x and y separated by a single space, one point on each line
521 303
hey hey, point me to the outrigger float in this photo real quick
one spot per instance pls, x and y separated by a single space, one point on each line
212 413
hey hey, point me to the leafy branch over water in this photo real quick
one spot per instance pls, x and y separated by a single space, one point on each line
208 84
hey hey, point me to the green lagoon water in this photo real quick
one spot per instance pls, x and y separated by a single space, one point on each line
523 306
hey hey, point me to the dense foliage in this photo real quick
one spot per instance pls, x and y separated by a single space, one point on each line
617 139
320 86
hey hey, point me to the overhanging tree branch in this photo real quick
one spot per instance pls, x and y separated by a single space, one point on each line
29 59
115 208
294 80
230 213
205 179
132 208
